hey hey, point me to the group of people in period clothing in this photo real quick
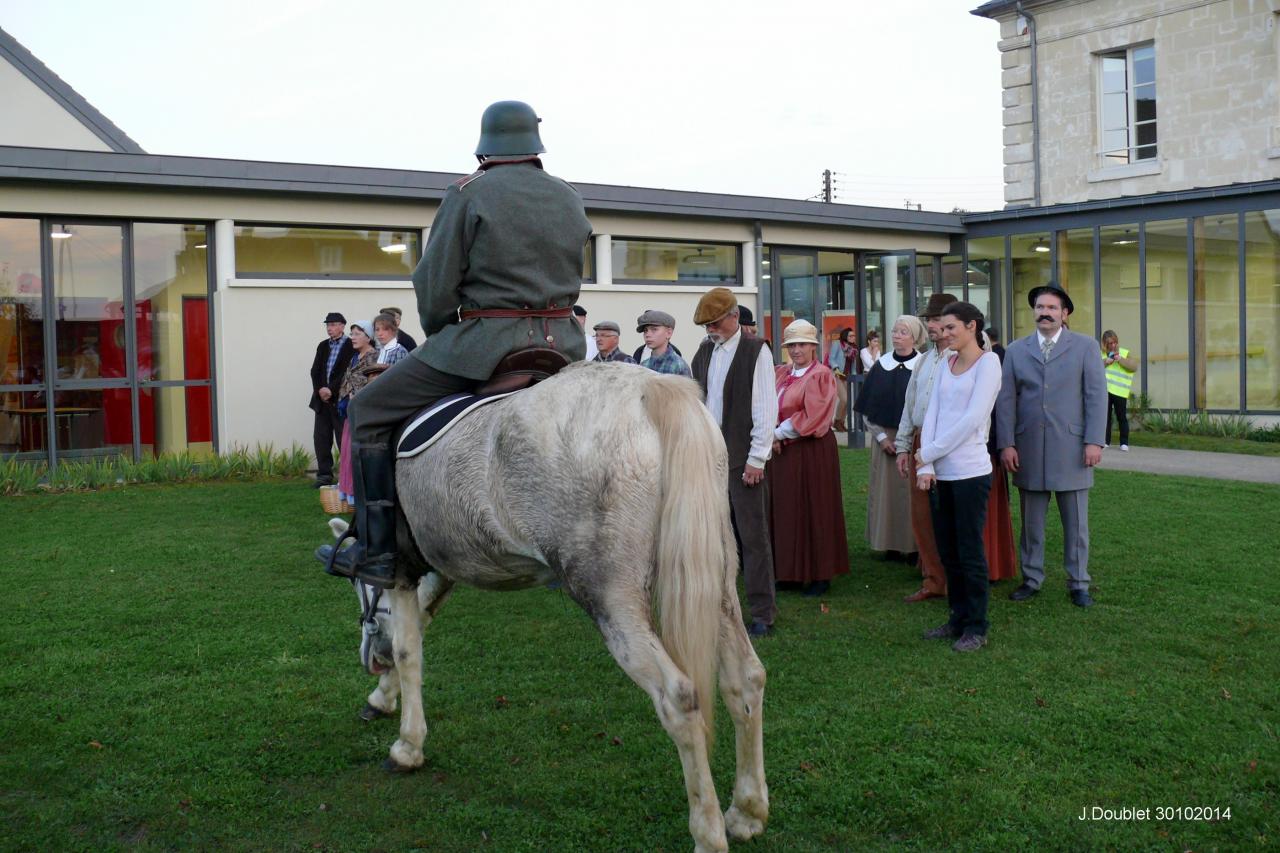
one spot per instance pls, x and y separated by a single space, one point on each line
344 362
938 492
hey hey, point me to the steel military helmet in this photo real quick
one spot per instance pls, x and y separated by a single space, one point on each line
509 128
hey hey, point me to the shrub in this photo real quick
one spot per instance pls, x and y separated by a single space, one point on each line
1198 423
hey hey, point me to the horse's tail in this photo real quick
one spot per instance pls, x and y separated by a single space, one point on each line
695 544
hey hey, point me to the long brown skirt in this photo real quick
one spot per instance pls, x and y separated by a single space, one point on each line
806 512
997 535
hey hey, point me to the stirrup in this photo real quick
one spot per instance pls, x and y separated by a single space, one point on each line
331 566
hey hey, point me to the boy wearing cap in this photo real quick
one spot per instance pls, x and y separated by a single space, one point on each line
333 356
607 333
657 327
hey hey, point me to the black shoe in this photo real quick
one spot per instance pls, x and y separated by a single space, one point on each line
322 481
1024 592
817 588
1081 598
759 629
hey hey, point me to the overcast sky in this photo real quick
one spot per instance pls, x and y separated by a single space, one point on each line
901 99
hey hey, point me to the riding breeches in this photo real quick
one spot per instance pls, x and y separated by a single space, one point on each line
406 387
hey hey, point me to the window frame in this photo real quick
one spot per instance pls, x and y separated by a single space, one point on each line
677 282
252 275
1132 158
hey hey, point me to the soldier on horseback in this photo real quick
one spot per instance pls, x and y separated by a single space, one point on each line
501 273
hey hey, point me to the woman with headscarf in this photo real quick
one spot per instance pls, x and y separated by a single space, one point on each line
362 368
806 511
883 394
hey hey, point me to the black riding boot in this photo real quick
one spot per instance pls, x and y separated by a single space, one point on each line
373 558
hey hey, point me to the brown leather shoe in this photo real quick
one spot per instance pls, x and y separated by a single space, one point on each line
922 595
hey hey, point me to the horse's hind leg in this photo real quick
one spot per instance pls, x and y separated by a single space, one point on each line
742 686
639 652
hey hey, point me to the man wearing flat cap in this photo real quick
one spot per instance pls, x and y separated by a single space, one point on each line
737 379
657 327
607 334
333 357
1050 419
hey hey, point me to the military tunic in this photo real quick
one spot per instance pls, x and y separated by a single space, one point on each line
509 236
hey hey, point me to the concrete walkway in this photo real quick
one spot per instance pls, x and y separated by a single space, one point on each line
1194 463
1186 463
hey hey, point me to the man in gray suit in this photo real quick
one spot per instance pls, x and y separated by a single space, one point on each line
501 272
1050 419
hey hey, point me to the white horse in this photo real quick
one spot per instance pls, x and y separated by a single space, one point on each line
611 479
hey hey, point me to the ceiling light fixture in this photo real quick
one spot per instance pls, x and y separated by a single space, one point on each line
699 259
1123 240
61 234
1040 245
395 249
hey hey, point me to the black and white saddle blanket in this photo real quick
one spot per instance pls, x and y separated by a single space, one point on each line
429 425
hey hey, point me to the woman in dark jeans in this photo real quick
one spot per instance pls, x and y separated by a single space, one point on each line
954 465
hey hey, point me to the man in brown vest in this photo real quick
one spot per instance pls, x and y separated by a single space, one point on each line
736 375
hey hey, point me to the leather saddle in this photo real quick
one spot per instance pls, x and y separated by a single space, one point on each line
523 368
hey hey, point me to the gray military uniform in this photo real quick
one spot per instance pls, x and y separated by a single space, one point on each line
509 236
1049 410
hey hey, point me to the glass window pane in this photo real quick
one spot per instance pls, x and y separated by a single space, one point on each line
88 277
1029 254
1147 134
1217 305
171 292
1121 308
1262 309
642 261
320 252
1167 363
1144 103
1144 65
798 274
986 262
23 424
953 279
1116 143
1114 74
175 420
93 423
1115 111
21 333
1075 274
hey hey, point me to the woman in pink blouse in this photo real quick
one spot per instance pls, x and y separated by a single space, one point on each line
806 512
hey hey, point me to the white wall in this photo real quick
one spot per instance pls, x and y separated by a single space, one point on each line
31 118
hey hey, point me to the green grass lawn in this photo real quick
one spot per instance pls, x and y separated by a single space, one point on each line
1214 444
179 674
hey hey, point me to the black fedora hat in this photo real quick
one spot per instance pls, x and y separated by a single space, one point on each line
1051 287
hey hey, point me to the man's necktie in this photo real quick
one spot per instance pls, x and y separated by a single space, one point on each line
1046 347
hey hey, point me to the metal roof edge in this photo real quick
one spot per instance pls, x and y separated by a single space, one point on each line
1123 202
68 98
157 170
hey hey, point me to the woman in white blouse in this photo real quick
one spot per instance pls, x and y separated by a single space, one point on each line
955 467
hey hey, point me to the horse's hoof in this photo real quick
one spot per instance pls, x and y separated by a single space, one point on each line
396 768
741 827
369 713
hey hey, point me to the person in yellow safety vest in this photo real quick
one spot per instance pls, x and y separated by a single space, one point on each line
1119 369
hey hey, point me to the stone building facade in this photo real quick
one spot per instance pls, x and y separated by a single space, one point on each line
1187 88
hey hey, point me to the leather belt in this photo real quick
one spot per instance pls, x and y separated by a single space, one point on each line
515 313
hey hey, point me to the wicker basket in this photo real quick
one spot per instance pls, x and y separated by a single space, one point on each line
332 501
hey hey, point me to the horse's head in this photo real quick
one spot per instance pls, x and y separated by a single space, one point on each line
376 655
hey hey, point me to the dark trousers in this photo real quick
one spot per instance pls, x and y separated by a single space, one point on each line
400 391
1120 405
749 507
959 510
324 435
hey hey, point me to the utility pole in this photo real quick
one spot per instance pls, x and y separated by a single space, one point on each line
828 189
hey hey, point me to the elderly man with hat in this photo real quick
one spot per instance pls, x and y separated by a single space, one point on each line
907 442
333 356
736 375
607 334
1050 418
747 321
657 328
482 294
